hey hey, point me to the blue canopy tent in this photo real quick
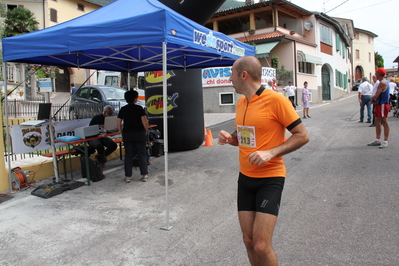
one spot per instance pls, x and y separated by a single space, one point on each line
128 36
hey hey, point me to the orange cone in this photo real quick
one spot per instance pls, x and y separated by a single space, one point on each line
205 131
208 139
210 134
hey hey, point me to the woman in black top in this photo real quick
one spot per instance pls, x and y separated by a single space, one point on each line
134 134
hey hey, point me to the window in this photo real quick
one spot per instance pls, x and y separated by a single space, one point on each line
53 15
357 35
81 7
226 98
82 93
305 67
325 34
12 6
357 54
369 57
112 81
369 39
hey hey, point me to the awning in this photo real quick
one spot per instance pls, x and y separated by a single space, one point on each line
263 50
310 58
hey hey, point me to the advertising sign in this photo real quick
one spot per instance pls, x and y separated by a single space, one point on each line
219 76
33 139
45 85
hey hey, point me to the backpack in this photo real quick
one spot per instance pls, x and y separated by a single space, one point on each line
96 172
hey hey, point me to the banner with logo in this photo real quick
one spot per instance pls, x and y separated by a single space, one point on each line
219 76
32 139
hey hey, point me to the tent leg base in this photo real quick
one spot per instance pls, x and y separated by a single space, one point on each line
167 228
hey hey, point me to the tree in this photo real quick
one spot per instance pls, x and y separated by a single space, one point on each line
19 21
379 61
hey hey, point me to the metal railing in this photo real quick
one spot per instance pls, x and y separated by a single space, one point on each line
23 110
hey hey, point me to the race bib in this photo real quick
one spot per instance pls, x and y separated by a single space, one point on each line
246 136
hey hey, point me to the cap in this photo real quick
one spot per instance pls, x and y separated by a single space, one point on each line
381 71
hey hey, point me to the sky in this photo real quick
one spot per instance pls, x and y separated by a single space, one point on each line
379 17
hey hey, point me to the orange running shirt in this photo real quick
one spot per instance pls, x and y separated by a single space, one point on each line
261 124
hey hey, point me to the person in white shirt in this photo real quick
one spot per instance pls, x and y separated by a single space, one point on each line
290 90
393 88
364 95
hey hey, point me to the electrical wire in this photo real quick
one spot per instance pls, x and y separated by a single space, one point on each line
337 6
357 9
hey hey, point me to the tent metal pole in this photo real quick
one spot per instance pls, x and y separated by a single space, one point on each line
8 139
128 81
165 131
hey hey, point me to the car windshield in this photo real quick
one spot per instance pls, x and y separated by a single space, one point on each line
114 94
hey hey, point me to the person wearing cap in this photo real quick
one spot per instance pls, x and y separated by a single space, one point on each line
380 100
290 90
364 96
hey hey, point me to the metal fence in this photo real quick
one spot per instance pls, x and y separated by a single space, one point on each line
60 112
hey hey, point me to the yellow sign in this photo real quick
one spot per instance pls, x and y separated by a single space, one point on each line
157 76
155 104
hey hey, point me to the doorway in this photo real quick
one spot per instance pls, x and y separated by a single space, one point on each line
62 80
326 88
358 72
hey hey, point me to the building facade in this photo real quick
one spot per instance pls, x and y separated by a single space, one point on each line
308 46
363 54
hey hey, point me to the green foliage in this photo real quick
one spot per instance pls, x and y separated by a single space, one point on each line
282 72
43 71
379 61
19 21
275 61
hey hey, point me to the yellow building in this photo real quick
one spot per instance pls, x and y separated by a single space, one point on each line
49 13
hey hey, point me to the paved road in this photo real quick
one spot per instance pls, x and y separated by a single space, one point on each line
340 207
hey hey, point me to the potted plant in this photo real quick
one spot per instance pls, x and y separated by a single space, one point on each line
21 93
251 31
292 32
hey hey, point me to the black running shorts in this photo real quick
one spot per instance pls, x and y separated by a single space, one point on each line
259 194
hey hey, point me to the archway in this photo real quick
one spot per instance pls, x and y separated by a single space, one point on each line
326 84
62 80
358 72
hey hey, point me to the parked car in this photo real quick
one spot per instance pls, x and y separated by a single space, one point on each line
356 84
89 101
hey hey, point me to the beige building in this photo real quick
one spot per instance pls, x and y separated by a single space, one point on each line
309 46
363 54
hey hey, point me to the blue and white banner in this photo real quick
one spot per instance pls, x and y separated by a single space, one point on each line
219 76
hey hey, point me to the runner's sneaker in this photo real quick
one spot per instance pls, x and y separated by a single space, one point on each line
374 143
384 144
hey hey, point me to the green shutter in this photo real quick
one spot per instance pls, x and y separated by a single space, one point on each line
337 42
336 78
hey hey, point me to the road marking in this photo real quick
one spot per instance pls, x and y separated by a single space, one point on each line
347 97
112 170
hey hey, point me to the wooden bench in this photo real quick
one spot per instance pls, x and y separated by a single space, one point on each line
60 156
